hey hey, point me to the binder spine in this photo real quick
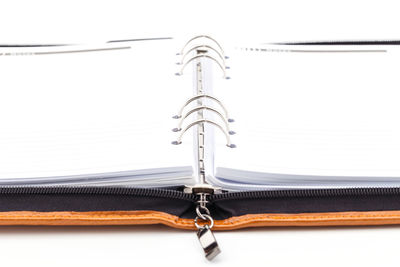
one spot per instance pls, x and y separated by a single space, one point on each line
203 104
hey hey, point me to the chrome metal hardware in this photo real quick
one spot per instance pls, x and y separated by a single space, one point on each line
203 105
207 238
202 121
225 120
221 66
202 188
198 37
206 48
190 100
204 233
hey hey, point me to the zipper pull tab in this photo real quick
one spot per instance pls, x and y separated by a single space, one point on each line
204 233
208 242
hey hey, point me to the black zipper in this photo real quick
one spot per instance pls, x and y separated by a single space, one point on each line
171 200
177 193
221 206
298 193
173 193
228 205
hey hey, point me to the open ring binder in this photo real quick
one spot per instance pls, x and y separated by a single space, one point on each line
192 187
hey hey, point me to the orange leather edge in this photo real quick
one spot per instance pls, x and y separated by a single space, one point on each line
155 217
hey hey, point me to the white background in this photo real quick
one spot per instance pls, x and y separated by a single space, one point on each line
162 246
84 21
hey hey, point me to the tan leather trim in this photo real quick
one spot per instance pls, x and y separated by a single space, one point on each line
154 217
93 218
311 219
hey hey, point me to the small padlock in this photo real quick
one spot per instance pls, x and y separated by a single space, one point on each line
208 242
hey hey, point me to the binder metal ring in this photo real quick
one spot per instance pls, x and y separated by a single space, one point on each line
226 122
228 139
206 96
221 66
202 36
206 47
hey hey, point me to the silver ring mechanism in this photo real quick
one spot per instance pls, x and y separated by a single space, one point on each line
206 96
228 139
206 47
202 36
226 122
202 108
221 66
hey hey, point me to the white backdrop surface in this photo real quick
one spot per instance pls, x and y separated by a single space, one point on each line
262 21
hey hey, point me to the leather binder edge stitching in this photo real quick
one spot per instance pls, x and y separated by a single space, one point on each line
155 217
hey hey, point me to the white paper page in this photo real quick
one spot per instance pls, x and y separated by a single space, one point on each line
78 113
313 113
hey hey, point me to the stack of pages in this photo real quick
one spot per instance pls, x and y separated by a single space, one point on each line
305 117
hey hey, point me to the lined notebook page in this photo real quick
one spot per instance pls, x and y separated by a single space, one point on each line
80 113
323 113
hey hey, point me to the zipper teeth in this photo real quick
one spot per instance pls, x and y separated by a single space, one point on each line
306 193
171 193
146 192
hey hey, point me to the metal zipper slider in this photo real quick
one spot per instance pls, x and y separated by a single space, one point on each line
204 233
